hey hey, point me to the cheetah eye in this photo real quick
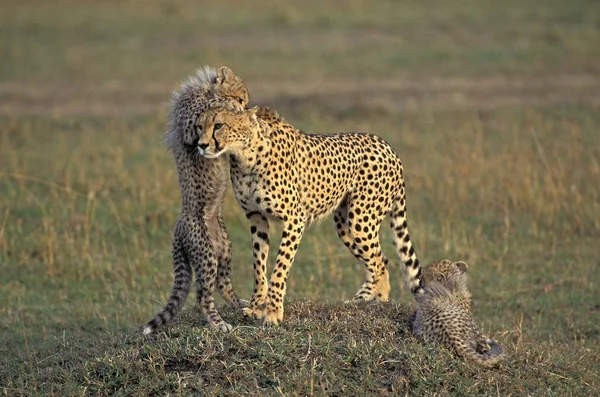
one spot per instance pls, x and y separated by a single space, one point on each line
218 126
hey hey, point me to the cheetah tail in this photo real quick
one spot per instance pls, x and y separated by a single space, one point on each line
403 245
181 288
489 359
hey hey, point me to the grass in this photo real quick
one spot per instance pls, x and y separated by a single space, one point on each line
493 109
322 349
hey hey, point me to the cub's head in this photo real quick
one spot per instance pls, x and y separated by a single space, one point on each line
446 280
224 130
444 270
229 86
207 88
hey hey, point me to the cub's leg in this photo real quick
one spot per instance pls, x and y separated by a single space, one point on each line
222 247
205 265
259 229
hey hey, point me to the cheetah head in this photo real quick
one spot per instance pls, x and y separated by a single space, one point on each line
229 86
445 278
444 270
223 130
227 90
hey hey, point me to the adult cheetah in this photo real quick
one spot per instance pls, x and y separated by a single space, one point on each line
444 314
279 172
200 239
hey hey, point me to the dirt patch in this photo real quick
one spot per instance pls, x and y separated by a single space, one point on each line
332 96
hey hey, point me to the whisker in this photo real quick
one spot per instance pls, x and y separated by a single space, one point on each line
196 153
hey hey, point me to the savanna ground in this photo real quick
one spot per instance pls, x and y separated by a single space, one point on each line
494 108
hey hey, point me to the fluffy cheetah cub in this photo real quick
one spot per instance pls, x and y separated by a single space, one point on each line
200 240
281 173
444 314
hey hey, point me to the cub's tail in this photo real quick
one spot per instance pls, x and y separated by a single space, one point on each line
181 288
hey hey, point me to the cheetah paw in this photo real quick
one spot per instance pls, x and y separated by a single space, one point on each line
380 297
222 326
272 317
243 304
254 313
363 297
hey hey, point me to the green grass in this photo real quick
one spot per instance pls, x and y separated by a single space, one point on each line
493 108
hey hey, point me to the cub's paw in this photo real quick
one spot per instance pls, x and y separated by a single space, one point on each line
222 326
482 347
252 312
242 304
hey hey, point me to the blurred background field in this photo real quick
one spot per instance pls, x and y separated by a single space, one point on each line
494 108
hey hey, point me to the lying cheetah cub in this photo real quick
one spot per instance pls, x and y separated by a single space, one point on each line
444 314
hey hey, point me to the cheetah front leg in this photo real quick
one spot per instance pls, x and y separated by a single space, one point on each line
293 229
259 229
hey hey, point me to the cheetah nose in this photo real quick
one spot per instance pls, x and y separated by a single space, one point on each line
203 145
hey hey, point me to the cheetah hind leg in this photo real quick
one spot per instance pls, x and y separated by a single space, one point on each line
362 241
205 279
224 248
343 231
381 285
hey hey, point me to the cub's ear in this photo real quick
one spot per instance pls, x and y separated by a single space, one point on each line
462 266
252 113
224 74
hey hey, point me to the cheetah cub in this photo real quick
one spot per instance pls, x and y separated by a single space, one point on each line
200 239
444 314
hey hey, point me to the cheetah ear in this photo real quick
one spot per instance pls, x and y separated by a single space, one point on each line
462 266
224 74
252 113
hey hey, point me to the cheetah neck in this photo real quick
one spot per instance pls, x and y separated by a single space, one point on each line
258 145
448 290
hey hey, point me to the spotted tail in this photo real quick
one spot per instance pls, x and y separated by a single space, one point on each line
404 248
181 288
